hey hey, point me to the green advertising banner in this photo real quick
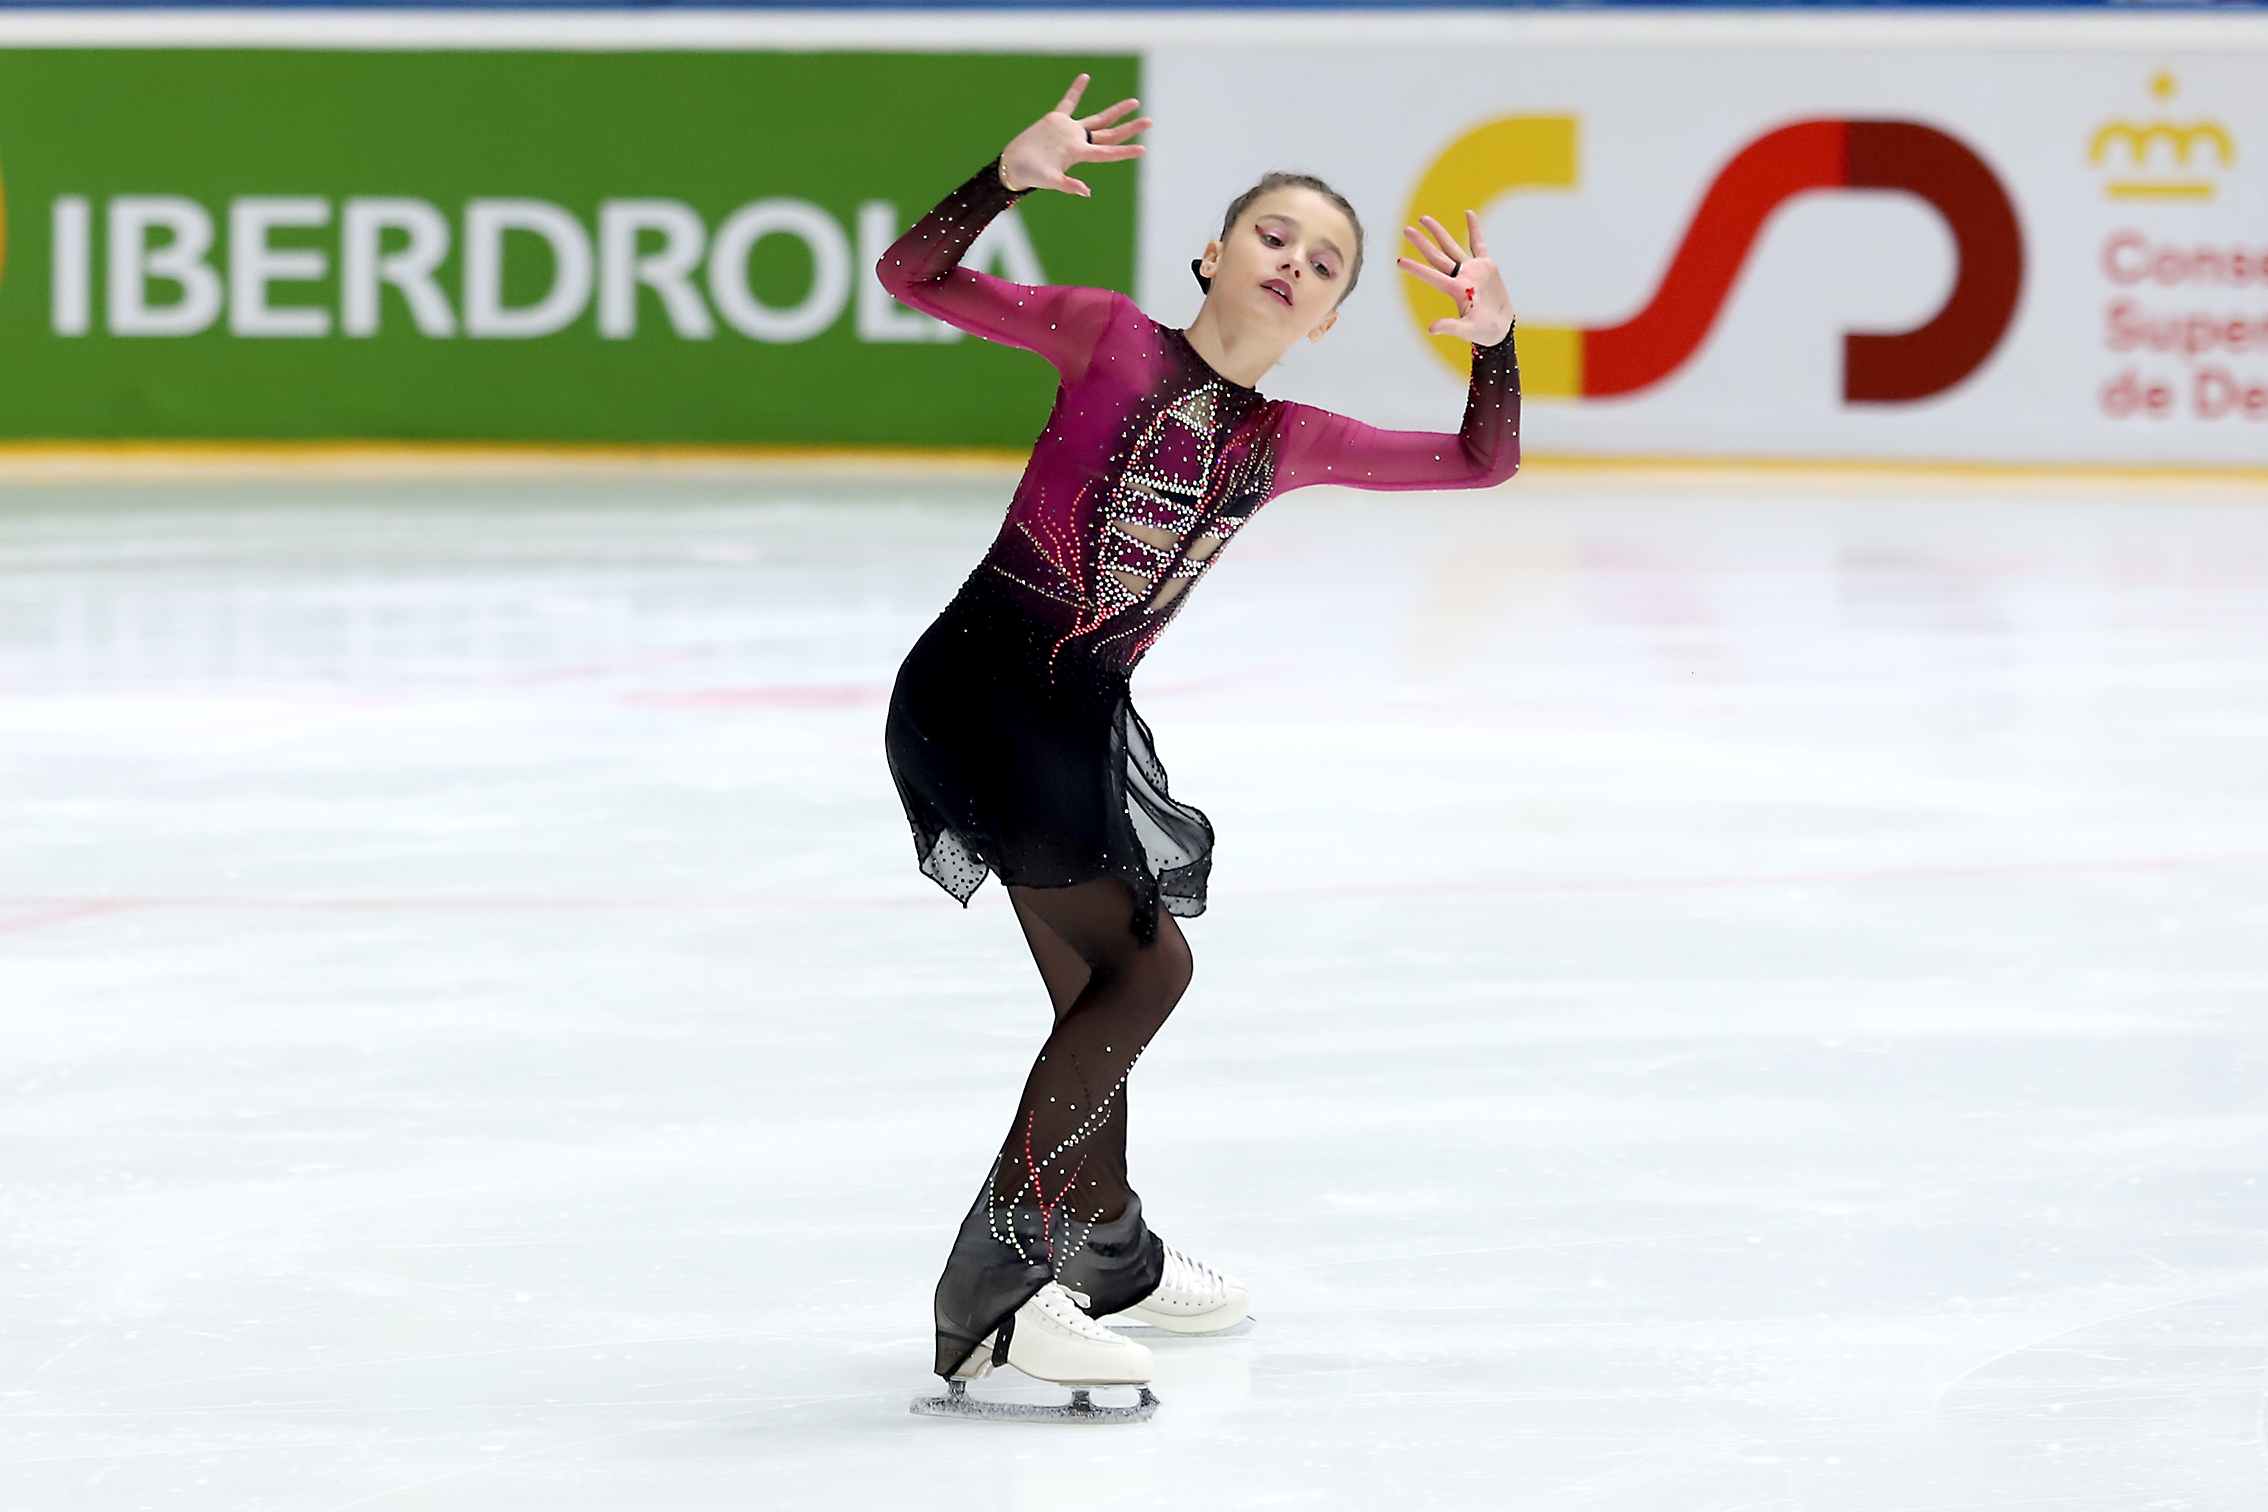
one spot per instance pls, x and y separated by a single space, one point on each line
526 247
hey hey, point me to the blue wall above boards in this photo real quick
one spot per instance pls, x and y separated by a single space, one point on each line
806 7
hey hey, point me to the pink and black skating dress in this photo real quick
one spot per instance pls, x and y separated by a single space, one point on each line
1015 746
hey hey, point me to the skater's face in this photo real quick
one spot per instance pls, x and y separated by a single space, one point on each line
1283 265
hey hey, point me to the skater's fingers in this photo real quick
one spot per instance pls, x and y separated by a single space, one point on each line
1473 233
1440 233
1434 256
1448 243
1428 275
1112 154
1105 117
1070 100
1120 134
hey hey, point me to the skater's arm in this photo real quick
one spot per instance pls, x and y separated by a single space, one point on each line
923 269
1320 447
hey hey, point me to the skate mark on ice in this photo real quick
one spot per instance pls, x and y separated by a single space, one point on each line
2044 1342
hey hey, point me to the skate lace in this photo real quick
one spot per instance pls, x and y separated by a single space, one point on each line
1198 1279
1062 1306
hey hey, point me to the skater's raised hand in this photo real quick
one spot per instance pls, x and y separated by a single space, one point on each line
1484 305
1045 151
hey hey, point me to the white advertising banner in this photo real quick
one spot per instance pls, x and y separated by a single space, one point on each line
1769 242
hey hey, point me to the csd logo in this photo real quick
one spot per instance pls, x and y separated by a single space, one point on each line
1566 362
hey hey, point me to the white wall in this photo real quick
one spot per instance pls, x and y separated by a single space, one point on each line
1659 113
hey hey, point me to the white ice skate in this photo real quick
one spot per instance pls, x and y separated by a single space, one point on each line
1050 1339
1193 1301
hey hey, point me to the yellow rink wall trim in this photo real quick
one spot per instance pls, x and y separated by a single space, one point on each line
23 462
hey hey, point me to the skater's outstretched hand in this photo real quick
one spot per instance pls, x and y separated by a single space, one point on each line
1484 305
1045 151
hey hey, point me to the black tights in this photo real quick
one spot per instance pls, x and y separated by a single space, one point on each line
1057 1206
1066 1152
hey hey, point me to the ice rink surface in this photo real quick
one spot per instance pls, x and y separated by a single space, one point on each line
1719 995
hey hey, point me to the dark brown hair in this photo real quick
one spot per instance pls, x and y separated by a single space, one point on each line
1269 182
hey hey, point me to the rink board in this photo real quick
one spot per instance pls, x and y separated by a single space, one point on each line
2002 239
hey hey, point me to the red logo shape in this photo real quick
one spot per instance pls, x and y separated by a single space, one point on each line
1878 368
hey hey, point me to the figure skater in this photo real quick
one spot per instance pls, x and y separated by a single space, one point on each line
1013 741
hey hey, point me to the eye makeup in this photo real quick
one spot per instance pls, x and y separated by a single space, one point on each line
1278 230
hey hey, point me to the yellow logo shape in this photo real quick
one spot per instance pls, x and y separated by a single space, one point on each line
2141 138
1480 167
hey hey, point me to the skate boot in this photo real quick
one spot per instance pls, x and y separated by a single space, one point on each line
999 1262
1150 1289
1050 1339
1192 1300
1120 1263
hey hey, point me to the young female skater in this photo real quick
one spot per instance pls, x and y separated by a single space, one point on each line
1011 736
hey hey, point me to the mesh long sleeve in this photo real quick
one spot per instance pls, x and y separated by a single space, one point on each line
1320 447
923 270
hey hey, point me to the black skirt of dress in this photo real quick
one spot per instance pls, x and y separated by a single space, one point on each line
1019 758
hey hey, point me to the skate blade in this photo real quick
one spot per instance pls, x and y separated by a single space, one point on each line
1082 1408
1152 1331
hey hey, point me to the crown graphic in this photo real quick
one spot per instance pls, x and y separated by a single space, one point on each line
2192 151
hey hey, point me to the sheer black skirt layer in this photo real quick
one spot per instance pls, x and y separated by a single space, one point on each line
1028 762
